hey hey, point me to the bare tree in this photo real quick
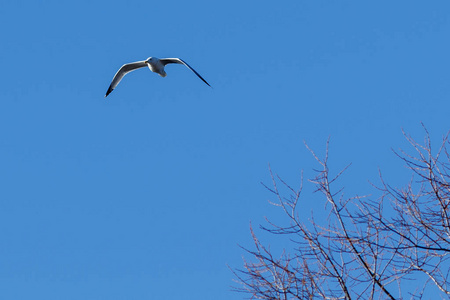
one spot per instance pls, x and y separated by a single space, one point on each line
394 247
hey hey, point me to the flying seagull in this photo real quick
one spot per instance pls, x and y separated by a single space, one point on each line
154 64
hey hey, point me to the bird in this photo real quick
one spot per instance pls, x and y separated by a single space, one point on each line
154 64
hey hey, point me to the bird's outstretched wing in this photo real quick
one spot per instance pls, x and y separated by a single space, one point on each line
166 61
126 68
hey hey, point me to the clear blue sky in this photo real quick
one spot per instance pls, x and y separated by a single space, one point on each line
147 193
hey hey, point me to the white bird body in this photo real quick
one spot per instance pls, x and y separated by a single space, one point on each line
155 65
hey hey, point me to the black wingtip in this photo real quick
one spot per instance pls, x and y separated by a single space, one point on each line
109 91
202 78
204 81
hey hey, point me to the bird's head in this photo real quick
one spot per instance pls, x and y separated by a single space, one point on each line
149 60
